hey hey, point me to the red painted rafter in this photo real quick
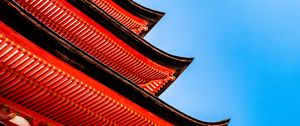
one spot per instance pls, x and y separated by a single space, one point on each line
59 92
132 22
83 32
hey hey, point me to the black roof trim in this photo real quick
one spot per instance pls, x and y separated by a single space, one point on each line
25 24
148 14
141 45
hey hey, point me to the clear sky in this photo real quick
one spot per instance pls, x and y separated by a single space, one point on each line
247 58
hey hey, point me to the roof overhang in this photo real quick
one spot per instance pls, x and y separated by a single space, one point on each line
38 33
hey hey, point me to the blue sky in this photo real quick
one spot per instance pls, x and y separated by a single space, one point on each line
247 58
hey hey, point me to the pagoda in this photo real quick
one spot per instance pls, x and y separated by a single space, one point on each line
85 62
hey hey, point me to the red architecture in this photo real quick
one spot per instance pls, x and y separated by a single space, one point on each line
85 62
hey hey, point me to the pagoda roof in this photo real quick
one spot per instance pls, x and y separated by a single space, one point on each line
141 45
137 60
38 33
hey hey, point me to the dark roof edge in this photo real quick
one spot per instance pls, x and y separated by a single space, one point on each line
25 24
152 16
177 74
133 40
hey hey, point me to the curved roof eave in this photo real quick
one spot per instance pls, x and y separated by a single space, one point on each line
141 45
152 16
35 31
